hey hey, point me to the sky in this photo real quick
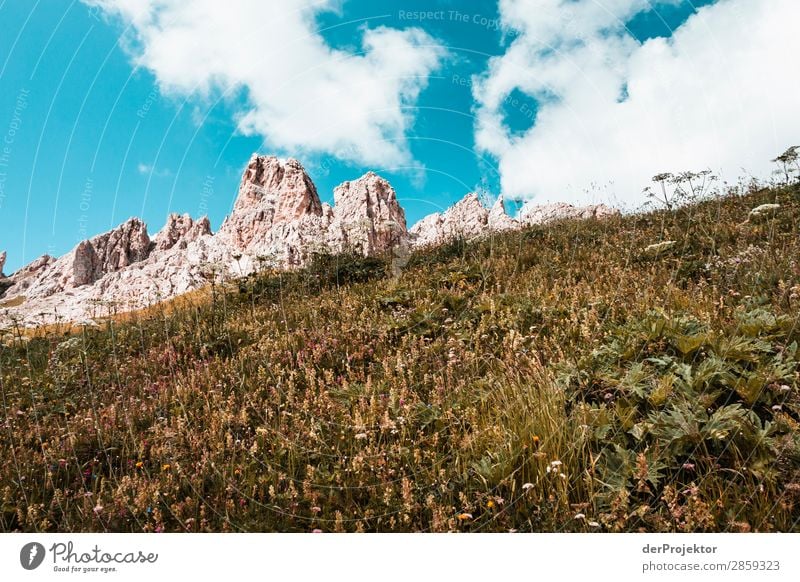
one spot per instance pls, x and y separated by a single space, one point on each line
118 108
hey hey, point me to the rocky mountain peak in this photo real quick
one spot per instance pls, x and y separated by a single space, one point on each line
180 230
498 219
367 217
272 192
468 219
127 244
2 262
282 186
277 220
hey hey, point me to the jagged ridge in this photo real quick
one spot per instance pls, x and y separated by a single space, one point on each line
278 220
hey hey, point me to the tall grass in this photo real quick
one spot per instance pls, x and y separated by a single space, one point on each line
570 377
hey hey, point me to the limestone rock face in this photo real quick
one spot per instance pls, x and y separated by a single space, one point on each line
277 221
499 220
2 262
366 217
468 219
22 279
180 230
85 264
32 268
428 231
531 214
272 193
88 262
109 252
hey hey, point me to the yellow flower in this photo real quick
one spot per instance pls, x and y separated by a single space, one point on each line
165 467
490 504
535 441
139 464
464 516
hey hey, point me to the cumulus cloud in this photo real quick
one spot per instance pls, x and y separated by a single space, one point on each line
303 96
720 93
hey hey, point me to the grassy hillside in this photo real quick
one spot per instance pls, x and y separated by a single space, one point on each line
562 378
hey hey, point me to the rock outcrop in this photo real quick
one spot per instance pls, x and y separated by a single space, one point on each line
88 262
470 219
499 220
2 262
277 220
367 217
272 193
179 231
127 244
467 219
531 214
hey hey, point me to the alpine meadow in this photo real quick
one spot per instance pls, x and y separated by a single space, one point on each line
630 373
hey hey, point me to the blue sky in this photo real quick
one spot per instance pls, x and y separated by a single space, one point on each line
90 139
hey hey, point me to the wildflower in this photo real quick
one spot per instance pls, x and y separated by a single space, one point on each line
593 524
527 486
580 516
464 516
490 504
785 388
553 466
361 436
139 464
316 531
688 466
165 467
316 509
535 441
98 509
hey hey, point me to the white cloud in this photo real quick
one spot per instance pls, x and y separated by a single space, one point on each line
149 169
721 93
304 97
